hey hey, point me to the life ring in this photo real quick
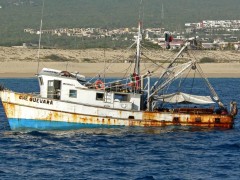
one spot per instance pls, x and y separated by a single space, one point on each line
99 84
66 73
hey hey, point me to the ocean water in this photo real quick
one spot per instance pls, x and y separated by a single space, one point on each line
122 153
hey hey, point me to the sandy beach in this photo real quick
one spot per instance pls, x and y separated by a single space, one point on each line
23 62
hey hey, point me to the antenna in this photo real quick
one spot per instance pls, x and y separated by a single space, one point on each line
140 10
162 15
40 36
138 39
138 54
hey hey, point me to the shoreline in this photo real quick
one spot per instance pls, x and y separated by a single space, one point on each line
29 69
23 63
29 76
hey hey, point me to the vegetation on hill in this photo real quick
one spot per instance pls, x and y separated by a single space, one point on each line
16 15
207 60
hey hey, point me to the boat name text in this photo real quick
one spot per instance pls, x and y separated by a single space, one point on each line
37 100
68 84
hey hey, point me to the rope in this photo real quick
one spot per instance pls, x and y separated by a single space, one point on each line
104 70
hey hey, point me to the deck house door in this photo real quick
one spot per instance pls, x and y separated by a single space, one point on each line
54 89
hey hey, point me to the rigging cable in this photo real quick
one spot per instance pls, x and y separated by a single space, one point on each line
193 68
215 96
109 65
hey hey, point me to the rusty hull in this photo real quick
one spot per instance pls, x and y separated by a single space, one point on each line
149 119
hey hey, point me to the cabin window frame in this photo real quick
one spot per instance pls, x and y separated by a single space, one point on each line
99 96
72 93
54 89
121 97
50 83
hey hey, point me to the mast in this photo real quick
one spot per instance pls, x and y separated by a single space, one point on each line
138 54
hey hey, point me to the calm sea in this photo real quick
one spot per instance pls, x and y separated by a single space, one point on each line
122 153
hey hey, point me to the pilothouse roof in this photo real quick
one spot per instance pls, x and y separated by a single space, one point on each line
55 72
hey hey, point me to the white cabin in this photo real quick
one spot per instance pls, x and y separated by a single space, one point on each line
72 87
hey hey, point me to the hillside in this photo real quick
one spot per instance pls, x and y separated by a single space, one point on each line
16 15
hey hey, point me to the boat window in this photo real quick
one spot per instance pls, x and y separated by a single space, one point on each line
120 97
73 93
41 80
99 96
50 83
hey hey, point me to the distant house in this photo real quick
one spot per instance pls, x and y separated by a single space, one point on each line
209 46
175 44
222 45
233 38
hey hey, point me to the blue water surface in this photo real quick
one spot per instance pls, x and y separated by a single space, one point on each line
122 153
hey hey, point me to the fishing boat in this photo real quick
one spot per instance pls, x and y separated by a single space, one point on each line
69 101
